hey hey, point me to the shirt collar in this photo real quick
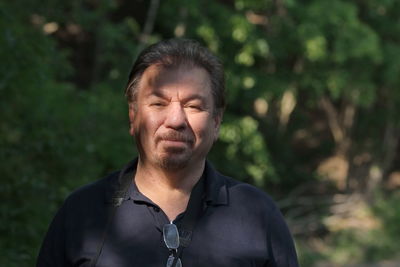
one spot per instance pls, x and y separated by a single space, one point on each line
216 192
216 189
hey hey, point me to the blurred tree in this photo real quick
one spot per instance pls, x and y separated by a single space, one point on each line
313 92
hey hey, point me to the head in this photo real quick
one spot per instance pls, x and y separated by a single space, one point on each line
176 100
174 53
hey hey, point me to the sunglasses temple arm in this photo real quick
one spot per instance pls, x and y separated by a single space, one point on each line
177 256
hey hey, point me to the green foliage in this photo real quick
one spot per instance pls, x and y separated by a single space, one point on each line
386 242
374 245
64 118
246 150
357 246
53 138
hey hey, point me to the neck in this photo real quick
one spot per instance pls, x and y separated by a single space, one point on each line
182 179
169 189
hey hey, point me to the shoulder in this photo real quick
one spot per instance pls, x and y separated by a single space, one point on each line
248 195
99 191
238 194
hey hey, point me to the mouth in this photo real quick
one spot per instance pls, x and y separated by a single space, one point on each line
174 142
174 145
176 138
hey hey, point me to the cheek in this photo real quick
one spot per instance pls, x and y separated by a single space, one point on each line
148 124
152 122
204 127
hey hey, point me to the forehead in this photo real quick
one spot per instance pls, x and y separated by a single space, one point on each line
168 79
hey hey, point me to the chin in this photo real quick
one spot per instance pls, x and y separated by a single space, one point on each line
173 162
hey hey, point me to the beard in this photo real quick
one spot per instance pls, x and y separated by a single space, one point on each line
169 156
175 157
170 163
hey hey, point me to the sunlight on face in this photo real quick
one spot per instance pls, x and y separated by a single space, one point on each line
173 122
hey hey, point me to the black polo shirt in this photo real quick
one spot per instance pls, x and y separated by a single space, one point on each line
240 226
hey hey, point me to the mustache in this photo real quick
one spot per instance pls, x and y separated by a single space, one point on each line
176 136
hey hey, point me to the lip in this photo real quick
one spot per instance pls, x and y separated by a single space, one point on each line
174 141
173 145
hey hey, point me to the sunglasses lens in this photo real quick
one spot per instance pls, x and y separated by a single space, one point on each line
171 236
171 260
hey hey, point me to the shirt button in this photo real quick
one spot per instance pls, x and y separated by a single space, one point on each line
156 209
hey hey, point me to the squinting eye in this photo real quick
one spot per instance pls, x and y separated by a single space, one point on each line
157 104
194 107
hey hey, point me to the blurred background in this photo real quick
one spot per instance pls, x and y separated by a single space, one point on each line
313 112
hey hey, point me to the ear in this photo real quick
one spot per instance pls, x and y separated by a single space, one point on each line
131 119
217 124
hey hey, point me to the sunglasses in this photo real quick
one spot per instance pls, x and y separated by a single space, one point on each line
171 240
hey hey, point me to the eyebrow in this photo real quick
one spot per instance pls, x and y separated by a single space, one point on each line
186 99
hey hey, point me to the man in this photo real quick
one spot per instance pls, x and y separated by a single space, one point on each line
170 207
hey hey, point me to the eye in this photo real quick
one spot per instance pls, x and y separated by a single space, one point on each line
157 104
194 107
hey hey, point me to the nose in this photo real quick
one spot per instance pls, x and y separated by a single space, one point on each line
175 116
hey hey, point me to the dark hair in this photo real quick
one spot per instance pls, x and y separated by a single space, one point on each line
177 53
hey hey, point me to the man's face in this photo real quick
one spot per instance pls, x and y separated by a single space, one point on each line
173 118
